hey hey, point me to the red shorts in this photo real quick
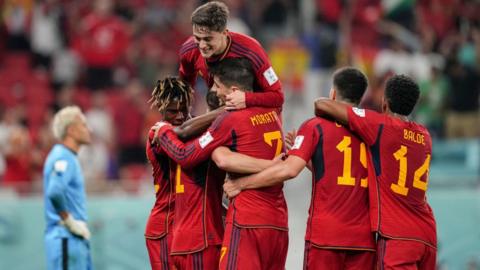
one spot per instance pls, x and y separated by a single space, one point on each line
337 259
158 251
253 249
405 255
206 259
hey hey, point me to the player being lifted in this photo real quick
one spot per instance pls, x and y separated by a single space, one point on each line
256 132
401 153
172 97
338 232
212 42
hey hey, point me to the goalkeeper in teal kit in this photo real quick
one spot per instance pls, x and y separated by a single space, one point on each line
67 234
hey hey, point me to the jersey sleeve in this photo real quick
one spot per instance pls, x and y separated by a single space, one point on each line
270 92
59 178
186 68
304 145
365 123
195 151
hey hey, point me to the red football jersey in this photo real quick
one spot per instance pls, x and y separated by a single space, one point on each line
398 178
338 214
198 208
161 217
267 87
254 131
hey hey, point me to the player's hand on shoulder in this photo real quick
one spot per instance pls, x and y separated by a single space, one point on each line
158 129
318 104
77 227
235 100
290 139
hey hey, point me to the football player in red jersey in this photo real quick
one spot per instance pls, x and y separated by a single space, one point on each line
251 240
338 232
212 42
398 175
172 97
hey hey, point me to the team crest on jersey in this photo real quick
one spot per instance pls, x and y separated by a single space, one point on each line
270 76
60 166
205 139
298 142
359 112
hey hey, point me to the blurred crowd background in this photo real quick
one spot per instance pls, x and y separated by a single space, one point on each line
106 55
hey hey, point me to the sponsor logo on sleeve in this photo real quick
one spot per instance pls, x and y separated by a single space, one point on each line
60 166
205 139
359 112
298 142
270 76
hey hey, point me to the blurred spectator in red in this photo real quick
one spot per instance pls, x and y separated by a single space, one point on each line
101 43
22 160
48 26
16 15
129 118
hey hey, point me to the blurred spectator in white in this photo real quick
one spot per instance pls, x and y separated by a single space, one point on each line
394 58
16 15
95 160
235 22
100 120
65 68
102 40
46 34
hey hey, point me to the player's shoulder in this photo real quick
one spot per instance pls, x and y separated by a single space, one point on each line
248 47
224 119
188 47
60 158
244 40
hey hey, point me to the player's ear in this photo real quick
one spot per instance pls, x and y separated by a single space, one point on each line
333 93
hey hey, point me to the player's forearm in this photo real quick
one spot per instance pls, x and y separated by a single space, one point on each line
325 107
269 99
196 126
186 155
239 163
269 177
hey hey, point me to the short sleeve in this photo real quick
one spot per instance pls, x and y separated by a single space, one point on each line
305 142
365 123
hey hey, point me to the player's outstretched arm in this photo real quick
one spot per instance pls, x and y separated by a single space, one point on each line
239 163
325 107
273 175
196 126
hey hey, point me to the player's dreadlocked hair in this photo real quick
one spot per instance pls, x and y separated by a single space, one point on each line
168 90
402 94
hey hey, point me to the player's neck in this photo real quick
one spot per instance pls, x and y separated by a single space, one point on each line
71 144
224 47
399 116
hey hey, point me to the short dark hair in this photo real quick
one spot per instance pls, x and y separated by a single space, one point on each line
350 84
213 102
212 15
401 93
234 71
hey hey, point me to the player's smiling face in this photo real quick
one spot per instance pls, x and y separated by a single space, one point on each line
209 42
221 89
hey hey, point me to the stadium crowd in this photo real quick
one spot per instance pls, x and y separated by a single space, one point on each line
106 55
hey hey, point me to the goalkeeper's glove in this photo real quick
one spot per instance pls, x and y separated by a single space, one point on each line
77 227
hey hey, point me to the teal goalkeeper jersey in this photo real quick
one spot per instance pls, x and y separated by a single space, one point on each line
63 185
